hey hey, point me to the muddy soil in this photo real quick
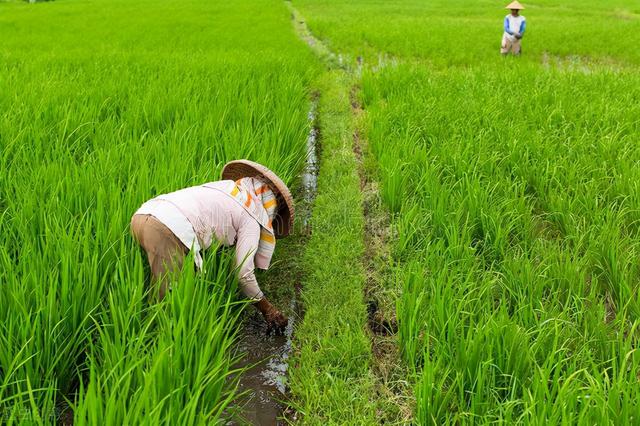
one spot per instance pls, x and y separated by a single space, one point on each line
265 380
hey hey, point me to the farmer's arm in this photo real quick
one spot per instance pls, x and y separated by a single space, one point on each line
523 26
506 26
246 245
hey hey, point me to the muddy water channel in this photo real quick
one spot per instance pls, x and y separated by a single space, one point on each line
265 379
266 357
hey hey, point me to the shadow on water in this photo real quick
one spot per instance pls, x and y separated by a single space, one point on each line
266 357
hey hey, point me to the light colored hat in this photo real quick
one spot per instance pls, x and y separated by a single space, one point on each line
283 222
515 5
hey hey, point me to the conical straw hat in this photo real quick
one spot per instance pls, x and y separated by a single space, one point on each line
515 5
283 223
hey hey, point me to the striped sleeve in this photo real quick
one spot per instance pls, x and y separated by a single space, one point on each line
246 246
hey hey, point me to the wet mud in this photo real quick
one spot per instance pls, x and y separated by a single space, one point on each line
265 380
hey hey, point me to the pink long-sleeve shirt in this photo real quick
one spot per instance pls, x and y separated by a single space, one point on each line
199 215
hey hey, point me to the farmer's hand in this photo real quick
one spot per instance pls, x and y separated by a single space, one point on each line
276 321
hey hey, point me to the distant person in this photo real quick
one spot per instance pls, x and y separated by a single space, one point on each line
249 208
514 27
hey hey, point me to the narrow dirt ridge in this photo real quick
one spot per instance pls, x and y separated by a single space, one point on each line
390 394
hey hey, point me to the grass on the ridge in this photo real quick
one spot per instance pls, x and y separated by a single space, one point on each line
331 381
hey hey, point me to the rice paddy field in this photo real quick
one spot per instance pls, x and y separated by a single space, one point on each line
105 104
474 243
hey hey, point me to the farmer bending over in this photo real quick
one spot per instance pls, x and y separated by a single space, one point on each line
514 26
250 207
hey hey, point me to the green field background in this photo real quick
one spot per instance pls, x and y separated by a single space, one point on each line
466 33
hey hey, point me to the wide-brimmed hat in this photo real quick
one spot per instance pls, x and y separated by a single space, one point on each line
283 222
515 5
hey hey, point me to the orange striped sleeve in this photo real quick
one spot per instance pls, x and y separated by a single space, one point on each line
269 204
260 190
265 236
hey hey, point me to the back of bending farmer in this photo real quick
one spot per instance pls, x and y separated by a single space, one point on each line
514 27
248 208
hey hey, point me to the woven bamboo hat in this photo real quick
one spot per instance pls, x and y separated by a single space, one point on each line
515 5
283 222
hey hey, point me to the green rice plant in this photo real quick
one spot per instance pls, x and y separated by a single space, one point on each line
515 207
410 310
523 225
105 105
172 366
434 394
